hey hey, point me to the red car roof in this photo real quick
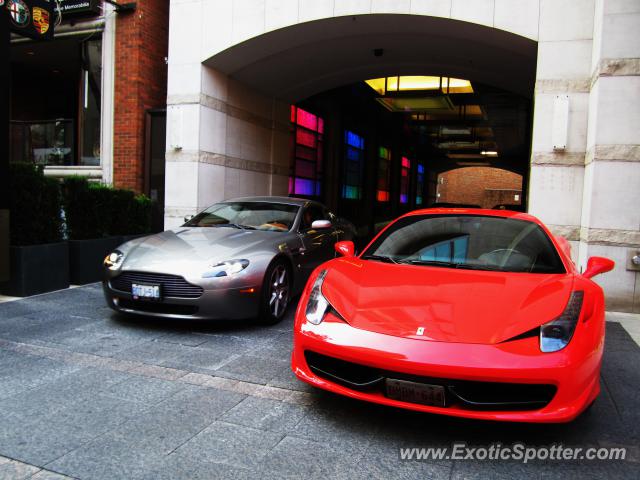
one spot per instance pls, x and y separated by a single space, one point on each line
483 212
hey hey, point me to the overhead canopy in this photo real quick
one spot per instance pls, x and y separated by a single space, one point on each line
296 62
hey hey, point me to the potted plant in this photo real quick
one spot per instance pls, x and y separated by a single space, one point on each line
98 219
38 255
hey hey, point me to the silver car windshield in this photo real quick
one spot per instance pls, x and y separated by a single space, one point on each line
471 242
277 217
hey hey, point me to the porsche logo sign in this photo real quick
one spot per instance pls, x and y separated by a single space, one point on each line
30 18
40 20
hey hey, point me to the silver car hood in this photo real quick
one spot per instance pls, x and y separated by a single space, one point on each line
193 249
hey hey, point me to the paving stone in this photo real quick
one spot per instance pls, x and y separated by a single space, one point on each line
382 462
47 475
285 378
252 369
143 389
151 352
108 459
13 470
205 404
346 429
180 338
103 344
235 445
302 458
196 359
265 414
177 466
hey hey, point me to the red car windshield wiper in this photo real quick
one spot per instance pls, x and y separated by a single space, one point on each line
380 258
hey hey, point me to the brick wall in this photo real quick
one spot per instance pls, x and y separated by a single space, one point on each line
484 186
140 84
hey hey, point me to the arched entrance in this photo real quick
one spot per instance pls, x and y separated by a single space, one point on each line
467 102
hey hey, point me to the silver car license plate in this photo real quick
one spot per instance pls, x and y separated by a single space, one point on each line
413 392
151 292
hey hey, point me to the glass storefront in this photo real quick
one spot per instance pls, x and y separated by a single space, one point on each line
56 91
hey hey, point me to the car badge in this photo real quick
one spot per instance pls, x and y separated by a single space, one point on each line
420 331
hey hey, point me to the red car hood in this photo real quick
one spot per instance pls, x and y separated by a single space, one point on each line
451 305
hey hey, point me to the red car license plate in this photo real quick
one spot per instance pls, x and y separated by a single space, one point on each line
413 392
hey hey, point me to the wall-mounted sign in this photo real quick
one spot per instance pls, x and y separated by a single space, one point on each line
84 7
31 18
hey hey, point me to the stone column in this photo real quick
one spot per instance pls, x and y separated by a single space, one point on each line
563 72
610 224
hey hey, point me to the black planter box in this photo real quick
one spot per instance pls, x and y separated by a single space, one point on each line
37 269
86 257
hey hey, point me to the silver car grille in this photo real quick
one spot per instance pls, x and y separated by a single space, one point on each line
170 285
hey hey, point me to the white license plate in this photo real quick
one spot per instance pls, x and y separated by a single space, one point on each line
145 291
413 392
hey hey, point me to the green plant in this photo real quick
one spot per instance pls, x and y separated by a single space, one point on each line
35 205
86 207
95 210
142 210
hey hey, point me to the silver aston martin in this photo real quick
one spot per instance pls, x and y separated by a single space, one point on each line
241 258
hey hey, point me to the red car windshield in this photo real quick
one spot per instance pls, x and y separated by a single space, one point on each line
471 242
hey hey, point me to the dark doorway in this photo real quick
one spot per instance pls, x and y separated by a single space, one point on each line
155 141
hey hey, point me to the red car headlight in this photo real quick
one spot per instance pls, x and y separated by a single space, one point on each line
556 334
317 305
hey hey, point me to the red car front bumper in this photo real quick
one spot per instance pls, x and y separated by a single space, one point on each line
574 371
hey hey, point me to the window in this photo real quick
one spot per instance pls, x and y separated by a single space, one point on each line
384 174
405 169
353 165
274 217
311 214
307 153
420 185
56 95
471 242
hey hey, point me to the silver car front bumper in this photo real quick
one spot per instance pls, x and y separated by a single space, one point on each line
225 302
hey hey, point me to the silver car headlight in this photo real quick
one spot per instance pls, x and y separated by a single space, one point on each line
114 260
226 268
317 305
556 334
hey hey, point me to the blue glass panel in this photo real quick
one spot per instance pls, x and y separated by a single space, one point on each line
443 252
353 139
403 198
305 187
460 249
350 192
353 154
420 168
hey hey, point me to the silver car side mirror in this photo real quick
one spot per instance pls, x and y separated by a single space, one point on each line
320 224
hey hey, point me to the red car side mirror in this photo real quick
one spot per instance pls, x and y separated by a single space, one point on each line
598 265
345 248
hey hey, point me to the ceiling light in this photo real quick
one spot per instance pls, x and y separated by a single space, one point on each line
489 153
413 83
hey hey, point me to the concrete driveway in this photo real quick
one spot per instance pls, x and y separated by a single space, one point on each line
88 394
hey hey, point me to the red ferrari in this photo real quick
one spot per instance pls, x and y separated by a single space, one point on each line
471 313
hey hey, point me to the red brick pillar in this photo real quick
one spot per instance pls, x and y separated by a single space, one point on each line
140 84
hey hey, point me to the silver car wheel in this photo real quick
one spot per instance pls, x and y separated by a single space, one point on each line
278 291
